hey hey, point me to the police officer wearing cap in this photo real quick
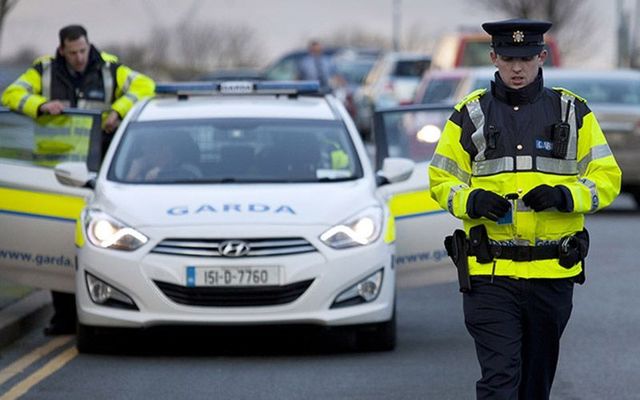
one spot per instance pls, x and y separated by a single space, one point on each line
520 165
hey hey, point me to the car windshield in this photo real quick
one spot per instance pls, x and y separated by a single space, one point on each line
235 151
600 90
476 54
411 68
441 90
354 71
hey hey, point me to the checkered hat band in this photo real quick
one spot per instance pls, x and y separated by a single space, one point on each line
509 42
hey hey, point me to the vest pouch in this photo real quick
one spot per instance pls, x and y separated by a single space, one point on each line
574 249
479 244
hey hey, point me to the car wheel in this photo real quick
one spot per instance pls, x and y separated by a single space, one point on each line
636 196
86 339
377 337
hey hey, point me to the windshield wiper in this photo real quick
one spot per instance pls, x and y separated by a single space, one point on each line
341 179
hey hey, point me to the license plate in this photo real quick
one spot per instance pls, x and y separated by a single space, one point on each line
233 276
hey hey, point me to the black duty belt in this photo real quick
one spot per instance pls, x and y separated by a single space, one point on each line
524 253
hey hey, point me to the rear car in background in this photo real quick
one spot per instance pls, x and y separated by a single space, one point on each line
352 65
232 203
287 66
392 81
614 97
451 85
471 49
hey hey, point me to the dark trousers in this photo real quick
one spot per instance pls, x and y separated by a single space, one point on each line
64 309
516 325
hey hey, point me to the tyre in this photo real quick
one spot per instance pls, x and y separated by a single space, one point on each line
377 337
636 196
86 339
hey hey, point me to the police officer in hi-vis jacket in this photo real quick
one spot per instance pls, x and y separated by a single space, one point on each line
78 76
520 164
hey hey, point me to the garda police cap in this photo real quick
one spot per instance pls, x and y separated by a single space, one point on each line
517 37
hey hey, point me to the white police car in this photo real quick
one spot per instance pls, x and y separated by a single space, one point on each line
216 204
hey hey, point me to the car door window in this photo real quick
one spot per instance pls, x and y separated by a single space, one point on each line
410 132
38 214
50 139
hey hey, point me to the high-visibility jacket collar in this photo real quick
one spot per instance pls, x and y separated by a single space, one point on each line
516 97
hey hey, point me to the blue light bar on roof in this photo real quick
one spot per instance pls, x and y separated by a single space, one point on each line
238 87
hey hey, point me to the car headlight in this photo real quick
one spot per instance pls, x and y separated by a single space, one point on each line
360 230
106 232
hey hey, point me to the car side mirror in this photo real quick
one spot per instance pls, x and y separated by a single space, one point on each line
395 169
75 174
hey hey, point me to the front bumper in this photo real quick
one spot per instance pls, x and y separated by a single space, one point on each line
329 271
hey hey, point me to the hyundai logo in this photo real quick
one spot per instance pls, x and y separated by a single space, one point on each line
234 248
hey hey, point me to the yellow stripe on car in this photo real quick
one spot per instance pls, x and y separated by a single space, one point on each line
390 233
413 203
41 204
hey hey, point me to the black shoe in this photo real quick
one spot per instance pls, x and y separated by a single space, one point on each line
59 329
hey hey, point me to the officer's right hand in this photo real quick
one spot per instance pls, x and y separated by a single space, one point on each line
53 107
483 203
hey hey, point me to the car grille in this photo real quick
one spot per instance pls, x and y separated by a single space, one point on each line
210 247
234 296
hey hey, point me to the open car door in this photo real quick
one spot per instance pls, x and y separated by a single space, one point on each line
421 225
37 214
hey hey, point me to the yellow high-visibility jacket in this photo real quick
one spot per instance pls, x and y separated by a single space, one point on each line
501 141
105 85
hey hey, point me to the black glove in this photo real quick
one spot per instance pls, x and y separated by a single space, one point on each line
482 203
544 196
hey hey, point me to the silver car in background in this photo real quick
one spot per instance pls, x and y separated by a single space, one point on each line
392 81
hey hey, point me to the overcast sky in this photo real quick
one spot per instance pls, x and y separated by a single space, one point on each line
280 25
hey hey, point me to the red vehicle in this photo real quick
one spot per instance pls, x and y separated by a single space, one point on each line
472 50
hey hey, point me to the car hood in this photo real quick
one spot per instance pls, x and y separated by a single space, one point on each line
180 205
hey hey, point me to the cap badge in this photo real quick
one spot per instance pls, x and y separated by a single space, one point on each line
518 37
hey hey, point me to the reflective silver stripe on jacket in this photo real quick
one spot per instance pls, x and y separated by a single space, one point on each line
596 152
23 101
452 194
524 163
567 99
107 82
46 79
477 117
506 164
131 97
595 200
491 167
557 165
127 83
25 85
450 166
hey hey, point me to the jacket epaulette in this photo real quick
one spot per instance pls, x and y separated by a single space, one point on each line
476 94
562 90
110 58
42 59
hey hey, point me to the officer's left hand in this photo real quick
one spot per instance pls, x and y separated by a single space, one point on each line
544 196
112 122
